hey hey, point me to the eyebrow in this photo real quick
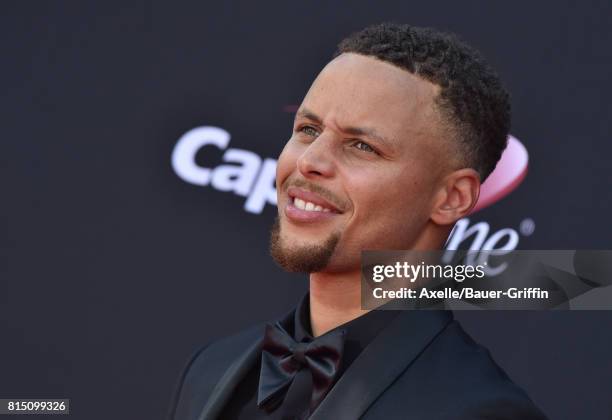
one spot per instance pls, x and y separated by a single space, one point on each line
354 131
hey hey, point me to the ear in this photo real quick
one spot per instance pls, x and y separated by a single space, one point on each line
457 195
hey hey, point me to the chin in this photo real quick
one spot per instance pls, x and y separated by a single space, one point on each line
293 254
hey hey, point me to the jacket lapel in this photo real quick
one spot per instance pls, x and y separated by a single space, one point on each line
230 379
380 363
222 392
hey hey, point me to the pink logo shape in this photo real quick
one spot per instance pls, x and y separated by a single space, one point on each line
508 174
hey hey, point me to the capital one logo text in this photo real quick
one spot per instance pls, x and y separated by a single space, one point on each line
242 172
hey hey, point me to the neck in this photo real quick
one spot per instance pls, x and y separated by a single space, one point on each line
335 299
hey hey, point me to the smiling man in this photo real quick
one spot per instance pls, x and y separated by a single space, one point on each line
389 149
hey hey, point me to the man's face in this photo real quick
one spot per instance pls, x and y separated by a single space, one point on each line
368 148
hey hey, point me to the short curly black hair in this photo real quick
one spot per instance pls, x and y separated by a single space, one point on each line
471 97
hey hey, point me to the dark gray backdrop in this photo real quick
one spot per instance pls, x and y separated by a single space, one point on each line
113 270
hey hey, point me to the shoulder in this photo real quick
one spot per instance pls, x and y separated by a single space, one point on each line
481 386
206 366
456 378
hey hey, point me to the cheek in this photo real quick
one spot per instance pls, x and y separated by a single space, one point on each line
396 200
286 163
375 204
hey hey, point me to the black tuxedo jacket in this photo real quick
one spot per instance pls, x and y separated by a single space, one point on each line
421 366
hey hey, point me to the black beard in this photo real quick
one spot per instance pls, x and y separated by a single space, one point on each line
304 259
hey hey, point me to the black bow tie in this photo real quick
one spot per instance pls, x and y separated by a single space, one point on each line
282 357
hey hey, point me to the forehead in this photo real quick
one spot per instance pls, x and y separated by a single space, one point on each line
356 90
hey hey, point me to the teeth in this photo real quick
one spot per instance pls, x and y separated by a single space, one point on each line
308 206
300 204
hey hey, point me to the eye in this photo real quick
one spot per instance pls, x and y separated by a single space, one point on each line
308 130
365 147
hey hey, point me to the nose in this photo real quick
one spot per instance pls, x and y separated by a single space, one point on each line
318 158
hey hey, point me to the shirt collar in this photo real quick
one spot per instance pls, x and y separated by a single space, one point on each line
359 331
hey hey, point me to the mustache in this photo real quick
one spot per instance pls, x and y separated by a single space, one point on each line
317 189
